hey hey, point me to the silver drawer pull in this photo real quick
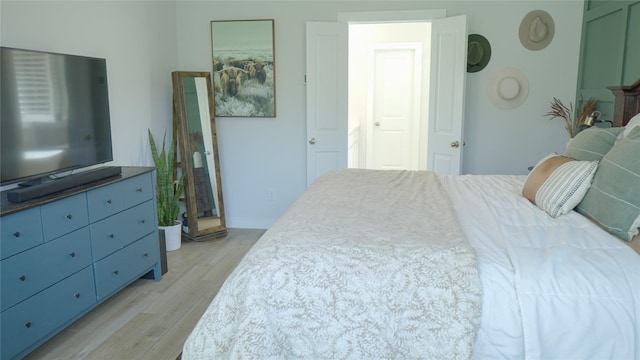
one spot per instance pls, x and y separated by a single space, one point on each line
142 221
109 201
16 234
77 295
28 324
69 216
73 254
139 190
22 278
146 254
111 236
116 272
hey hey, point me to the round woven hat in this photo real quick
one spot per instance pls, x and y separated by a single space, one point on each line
478 53
508 88
536 30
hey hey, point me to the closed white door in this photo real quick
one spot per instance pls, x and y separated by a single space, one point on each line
394 98
446 102
327 86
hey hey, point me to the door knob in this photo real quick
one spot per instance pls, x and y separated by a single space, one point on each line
455 144
312 141
377 123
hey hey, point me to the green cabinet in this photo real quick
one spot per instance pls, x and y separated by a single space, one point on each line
609 52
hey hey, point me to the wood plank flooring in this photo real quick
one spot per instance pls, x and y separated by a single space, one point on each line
149 319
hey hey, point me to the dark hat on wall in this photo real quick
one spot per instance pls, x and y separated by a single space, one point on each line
478 53
536 30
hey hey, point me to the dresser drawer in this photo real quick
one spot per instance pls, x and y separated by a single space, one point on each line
122 229
33 270
109 200
19 232
137 190
118 269
64 216
27 322
105 201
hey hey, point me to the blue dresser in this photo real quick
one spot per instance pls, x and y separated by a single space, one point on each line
63 254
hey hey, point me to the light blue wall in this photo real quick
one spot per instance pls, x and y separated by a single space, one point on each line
261 154
137 38
144 41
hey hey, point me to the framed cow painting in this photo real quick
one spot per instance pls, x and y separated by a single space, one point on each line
244 71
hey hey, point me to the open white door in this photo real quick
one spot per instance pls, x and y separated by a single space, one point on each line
446 100
327 97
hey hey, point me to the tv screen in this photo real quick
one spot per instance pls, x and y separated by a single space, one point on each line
54 113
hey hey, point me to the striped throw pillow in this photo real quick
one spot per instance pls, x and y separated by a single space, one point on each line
558 183
613 201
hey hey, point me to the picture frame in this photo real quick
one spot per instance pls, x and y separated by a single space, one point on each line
243 60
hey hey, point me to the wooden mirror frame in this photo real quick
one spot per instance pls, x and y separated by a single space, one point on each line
208 223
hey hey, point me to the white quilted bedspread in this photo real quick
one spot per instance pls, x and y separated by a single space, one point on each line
552 288
365 265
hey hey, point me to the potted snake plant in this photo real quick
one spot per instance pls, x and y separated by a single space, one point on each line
167 193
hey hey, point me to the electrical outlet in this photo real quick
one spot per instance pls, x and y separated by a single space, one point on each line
271 194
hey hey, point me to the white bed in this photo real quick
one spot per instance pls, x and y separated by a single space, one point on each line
551 288
412 265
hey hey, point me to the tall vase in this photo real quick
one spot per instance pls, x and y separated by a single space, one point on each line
172 236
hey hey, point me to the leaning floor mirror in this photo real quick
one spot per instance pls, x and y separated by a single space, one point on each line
195 132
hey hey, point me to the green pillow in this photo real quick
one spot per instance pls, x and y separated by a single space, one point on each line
613 200
592 144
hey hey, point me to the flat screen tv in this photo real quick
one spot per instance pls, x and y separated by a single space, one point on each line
54 114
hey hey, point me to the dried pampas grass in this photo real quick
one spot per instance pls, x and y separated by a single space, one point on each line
559 110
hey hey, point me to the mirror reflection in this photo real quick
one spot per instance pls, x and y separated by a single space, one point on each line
197 142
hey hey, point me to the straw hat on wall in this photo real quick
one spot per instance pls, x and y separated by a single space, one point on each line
536 30
508 88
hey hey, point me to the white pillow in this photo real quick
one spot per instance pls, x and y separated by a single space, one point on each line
557 184
633 122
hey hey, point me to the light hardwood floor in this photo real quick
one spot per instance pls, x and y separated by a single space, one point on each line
149 319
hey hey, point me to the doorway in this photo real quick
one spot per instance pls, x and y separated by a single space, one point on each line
389 76
327 113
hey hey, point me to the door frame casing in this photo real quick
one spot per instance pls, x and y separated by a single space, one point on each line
363 17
